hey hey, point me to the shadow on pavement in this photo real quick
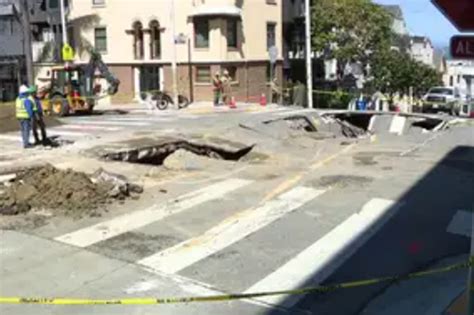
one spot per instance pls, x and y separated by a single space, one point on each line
103 112
413 238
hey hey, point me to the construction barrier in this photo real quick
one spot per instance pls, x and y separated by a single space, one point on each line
239 296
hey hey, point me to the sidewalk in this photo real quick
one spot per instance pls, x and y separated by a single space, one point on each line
433 295
193 108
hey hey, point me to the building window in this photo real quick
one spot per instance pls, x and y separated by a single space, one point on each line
5 26
232 33
233 74
138 50
459 79
53 4
155 40
271 27
451 80
201 33
98 2
100 39
203 74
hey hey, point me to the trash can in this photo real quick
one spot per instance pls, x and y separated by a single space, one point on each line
361 105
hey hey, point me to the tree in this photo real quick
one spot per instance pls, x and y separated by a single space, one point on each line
394 71
350 31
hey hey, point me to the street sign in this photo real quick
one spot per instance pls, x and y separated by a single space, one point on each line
459 12
462 47
67 53
273 53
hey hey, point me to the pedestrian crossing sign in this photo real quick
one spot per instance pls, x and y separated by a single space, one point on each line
67 53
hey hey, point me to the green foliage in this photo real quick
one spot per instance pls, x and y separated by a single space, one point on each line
393 71
350 30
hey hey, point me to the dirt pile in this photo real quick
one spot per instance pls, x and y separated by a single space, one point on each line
8 121
65 191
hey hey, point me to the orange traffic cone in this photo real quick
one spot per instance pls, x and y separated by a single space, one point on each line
232 103
263 100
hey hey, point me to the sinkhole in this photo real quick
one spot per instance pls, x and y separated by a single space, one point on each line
157 153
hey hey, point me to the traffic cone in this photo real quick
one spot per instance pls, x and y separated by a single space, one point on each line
232 103
263 100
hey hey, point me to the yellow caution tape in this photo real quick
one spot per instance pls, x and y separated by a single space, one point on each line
229 297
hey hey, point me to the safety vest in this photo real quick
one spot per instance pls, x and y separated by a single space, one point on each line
20 107
33 101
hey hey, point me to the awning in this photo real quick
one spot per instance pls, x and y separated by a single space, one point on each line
223 10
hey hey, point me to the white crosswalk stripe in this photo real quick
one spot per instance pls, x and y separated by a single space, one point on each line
111 122
321 259
131 221
89 127
229 232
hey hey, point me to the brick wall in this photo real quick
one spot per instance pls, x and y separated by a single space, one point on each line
126 90
249 85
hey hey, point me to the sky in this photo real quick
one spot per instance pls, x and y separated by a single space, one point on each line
424 19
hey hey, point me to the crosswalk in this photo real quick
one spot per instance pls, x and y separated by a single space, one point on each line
80 127
316 261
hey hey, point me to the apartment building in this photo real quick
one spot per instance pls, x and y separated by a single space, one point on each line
460 74
422 50
12 61
138 40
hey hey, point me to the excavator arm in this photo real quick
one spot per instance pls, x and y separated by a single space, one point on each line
97 63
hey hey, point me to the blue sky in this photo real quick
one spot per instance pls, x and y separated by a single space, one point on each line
423 18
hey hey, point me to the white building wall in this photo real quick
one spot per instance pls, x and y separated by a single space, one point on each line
455 72
423 52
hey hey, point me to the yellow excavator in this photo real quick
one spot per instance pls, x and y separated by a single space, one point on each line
73 89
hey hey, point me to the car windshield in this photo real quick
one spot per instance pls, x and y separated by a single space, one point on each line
442 91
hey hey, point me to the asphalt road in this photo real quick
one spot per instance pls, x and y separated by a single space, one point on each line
315 212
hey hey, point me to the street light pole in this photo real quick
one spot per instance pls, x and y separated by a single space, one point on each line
309 70
63 22
174 66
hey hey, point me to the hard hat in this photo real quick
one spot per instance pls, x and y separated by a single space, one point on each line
33 89
24 89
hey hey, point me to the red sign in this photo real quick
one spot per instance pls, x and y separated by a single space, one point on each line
459 12
462 47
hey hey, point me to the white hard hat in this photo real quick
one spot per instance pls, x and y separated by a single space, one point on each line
24 89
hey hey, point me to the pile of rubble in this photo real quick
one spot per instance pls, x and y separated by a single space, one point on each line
65 191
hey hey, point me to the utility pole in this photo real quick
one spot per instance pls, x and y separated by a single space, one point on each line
26 29
174 66
63 23
309 69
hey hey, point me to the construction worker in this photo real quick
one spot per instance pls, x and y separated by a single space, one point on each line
24 114
217 88
226 88
37 119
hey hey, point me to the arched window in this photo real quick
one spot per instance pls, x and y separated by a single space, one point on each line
138 40
155 40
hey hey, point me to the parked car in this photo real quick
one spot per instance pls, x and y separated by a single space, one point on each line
443 99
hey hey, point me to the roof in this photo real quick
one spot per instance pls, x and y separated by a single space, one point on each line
420 39
217 10
395 11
